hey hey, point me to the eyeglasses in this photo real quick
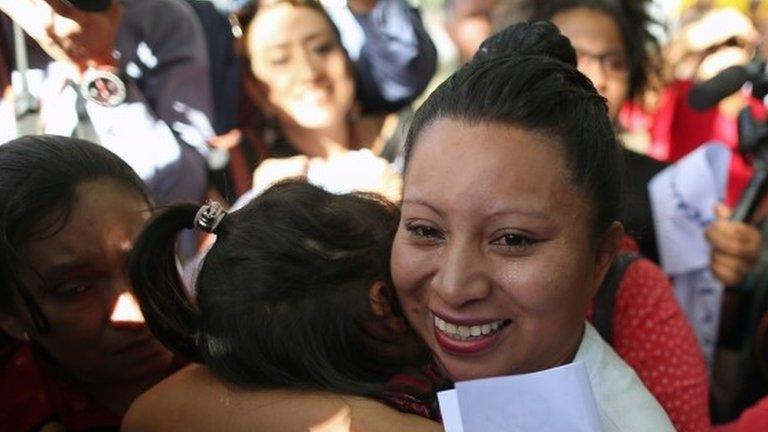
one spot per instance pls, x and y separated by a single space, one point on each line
614 64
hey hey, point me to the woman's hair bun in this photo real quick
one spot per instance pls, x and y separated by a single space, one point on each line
540 38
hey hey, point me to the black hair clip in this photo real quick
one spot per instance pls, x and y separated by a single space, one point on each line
209 216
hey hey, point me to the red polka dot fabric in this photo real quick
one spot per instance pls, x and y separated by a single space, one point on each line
652 334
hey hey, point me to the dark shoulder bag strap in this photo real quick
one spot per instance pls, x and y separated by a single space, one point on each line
605 299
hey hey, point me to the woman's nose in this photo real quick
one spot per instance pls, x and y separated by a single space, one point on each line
593 69
307 67
126 310
461 278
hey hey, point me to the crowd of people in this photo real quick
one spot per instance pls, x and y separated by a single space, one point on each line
252 215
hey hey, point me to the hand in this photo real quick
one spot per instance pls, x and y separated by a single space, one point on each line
68 34
275 169
718 26
735 247
699 39
358 170
227 140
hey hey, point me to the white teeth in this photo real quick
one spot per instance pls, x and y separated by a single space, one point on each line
463 333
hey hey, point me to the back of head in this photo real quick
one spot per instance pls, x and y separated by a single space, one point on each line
283 294
38 180
534 85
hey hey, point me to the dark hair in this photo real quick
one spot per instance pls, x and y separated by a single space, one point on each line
246 14
39 175
632 18
525 76
283 294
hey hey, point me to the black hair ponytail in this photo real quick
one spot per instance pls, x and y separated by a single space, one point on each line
283 297
164 301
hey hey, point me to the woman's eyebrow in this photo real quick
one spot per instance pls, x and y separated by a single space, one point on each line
532 213
60 269
421 202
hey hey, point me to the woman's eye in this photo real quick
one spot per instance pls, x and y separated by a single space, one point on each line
278 61
324 48
278 56
616 63
424 232
69 291
514 242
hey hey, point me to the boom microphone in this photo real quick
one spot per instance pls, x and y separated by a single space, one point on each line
707 94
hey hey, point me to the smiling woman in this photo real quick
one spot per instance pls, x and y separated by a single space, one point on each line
295 50
69 212
470 255
302 112
495 268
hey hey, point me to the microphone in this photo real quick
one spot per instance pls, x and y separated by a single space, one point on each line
707 94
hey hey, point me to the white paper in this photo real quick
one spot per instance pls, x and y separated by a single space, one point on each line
554 400
449 409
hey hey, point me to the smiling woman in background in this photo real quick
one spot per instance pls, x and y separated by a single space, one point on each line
304 95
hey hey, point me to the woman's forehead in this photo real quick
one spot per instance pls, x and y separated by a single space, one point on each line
103 215
492 166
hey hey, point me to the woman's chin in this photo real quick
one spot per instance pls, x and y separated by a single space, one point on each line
467 369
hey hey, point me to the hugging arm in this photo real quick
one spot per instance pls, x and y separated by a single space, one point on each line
195 400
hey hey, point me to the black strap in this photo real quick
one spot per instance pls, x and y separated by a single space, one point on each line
605 299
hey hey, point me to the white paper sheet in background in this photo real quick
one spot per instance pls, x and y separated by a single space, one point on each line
554 400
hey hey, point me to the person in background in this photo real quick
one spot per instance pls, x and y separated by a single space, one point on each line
131 76
302 84
78 351
616 50
389 59
698 51
468 23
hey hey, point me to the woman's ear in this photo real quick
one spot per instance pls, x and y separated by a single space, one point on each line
607 250
13 327
382 308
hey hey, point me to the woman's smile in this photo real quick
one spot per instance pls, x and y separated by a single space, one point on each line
468 339
495 267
